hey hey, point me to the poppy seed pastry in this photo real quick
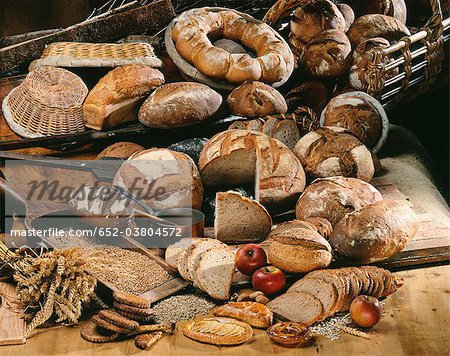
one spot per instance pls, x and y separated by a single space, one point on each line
333 151
332 198
328 55
313 17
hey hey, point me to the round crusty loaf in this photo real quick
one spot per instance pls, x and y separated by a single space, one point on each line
362 56
333 151
374 232
394 8
313 94
332 198
298 249
192 34
313 17
256 99
237 157
298 48
347 13
328 54
162 178
370 26
178 105
120 150
360 113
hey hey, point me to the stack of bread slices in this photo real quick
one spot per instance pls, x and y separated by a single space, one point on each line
207 263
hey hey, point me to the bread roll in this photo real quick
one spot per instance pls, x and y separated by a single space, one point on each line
237 157
328 54
178 105
313 17
256 99
116 97
332 198
298 49
374 232
394 8
362 56
347 13
332 151
120 150
370 26
359 113
162 178
298 249
313 94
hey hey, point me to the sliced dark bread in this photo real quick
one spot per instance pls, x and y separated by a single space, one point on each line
240 219
287 132
215 272
269 126
298 306
173 251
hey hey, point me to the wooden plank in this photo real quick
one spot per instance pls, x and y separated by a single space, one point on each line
12 326
151 17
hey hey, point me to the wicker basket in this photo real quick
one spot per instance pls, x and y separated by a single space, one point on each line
418 58
48 102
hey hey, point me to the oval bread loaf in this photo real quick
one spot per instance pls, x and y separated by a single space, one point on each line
347 13
374 232
394 8
332 151
332 198
120 150
178 105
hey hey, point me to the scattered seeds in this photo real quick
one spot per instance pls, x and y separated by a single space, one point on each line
181 307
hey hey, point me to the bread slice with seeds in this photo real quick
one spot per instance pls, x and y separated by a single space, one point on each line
174 250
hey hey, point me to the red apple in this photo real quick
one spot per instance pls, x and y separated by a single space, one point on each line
366 311
249 258
269 280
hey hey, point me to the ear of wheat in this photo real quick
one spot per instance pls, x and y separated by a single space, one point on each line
53 283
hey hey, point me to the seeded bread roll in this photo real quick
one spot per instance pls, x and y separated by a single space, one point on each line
374 232
120 150
362 56
175 180
394 8
332 198
313 94
328 54
115 99
359 113
333 151
256 99
313 17
370 26
347 13
298 249
179 105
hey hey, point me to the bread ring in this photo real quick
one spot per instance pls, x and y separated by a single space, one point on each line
195 29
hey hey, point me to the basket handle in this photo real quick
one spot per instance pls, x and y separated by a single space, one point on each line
434 25
280 10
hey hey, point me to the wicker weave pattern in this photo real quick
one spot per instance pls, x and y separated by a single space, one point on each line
48 102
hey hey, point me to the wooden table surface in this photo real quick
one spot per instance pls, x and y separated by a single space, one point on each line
416 322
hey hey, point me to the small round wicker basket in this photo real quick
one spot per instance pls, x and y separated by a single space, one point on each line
48 102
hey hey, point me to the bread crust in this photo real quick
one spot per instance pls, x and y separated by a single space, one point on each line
115 98
218 331
253 313
121 150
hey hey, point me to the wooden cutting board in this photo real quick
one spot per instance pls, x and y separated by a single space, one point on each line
12 327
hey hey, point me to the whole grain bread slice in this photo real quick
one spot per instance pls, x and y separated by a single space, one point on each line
173 251
182 260
287 132
240 219
215 272
298 306
194 256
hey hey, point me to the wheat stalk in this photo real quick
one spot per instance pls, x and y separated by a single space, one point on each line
354 332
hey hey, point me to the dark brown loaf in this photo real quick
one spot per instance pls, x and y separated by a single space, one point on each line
298 48
120 150
328 54
256 99
374 232
332 198
313 17
179 105
332 151
370 26
357 112
347 13
313 94
298 249
115 99
394 8
362 56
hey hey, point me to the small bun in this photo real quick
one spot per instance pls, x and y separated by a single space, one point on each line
256 99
